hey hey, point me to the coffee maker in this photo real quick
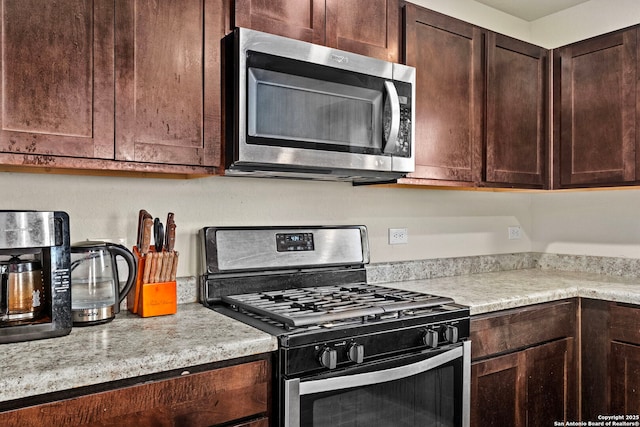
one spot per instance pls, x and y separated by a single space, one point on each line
35 290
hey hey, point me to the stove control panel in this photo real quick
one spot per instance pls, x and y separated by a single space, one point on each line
364 348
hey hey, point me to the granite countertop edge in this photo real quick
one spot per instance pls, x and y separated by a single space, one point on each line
131 346
128 347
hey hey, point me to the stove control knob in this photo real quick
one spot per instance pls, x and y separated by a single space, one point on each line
329 358
356 353
430 338
451 334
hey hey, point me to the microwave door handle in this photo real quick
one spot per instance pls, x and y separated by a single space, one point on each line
394 102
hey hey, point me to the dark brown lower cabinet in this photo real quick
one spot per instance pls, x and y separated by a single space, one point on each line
610 359
625 379
238 393
523 371
621 351
496 391
549 383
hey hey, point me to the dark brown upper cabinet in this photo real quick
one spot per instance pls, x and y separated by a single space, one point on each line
367 27
123 86
595 112
447 55
297 19
57 80
480 104
168 81
516 140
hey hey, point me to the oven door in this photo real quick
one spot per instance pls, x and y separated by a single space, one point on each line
418 390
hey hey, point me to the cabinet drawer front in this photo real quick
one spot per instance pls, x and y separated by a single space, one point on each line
625 323
199 399
509 330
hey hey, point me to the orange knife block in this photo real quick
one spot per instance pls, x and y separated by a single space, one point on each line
151 299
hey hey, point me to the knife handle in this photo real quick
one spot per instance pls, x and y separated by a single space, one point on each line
171 236
147 268
159 262
166 266
146 236
174 266
154 266
140 222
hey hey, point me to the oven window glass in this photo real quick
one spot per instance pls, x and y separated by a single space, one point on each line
427 399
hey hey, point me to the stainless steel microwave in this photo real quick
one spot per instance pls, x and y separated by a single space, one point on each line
299 110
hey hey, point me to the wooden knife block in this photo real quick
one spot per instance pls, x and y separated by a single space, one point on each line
151 299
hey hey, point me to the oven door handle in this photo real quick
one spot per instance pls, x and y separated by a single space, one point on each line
370 378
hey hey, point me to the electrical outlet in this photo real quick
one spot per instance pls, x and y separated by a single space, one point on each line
398 236
515 233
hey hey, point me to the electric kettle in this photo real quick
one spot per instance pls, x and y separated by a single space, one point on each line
96 293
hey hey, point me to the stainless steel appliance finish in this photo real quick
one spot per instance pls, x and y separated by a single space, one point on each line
350 353
35 294
259 249
300 110
27 229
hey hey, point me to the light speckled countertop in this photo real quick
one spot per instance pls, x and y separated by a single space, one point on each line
127 347
131 346
487 292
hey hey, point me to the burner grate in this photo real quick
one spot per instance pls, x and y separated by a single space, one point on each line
326 304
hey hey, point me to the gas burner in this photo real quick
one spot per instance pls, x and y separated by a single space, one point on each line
328 304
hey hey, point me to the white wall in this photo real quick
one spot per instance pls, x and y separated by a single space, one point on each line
602 223
440 223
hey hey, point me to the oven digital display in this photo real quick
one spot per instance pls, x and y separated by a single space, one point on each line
293 242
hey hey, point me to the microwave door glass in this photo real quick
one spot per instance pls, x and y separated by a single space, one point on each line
303 112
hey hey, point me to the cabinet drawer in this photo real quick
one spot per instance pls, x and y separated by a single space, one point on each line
201 399
625 323
514 329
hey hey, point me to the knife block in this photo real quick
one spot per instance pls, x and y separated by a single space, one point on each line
151 299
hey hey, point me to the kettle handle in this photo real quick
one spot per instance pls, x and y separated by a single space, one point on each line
125 253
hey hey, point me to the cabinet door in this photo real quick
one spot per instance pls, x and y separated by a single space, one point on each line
447 54
595 110
216 397
168 81
625 378
516 112
367 27
57 79
498 391
551 392
297 19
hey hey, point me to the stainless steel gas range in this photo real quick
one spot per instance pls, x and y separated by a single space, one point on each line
350 353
